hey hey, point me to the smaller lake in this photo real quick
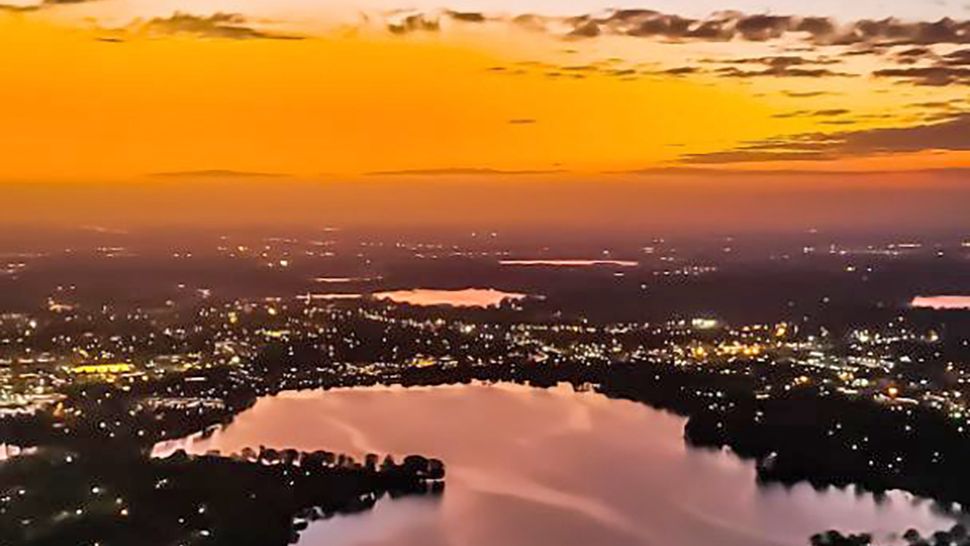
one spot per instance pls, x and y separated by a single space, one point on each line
9 451
533 466
330 296
941 302
469 297
345 280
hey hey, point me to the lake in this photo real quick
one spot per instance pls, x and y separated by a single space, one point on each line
941 302
468 297
9 451
529 466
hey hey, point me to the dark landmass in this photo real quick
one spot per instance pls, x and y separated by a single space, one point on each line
955 536
802 431
805 434
808 433
119 497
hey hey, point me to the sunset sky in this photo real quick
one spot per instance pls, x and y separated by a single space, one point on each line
160 94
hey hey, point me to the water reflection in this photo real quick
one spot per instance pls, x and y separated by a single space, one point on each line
469 297
941 302
530 466
9 451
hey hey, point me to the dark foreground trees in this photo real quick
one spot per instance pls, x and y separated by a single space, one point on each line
120 498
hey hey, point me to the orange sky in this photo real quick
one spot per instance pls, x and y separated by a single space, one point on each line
88 100
79 108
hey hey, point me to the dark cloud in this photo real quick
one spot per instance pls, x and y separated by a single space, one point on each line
950 69
937 75
913 55
957 58
14 8
724 26
777 66
467 16
622 72
917 63
806 94
653 24
572 75
817 26
531 21
607 67
755 156
921 65
865 50
950 134
774 173
218 25
759 28
777 61
24 8
831 112
415 22
773 66
897 32
681 71
947 135
944 104
940 110
588 29
779 72
522 121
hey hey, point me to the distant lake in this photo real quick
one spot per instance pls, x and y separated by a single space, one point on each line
469 297
941 302
345 280
529 466
330 296
569 263
9 451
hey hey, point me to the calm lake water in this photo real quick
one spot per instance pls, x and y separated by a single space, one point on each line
9 451
468 297
942 302
529 466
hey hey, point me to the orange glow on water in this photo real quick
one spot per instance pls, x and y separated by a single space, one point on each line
470 297
941 302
